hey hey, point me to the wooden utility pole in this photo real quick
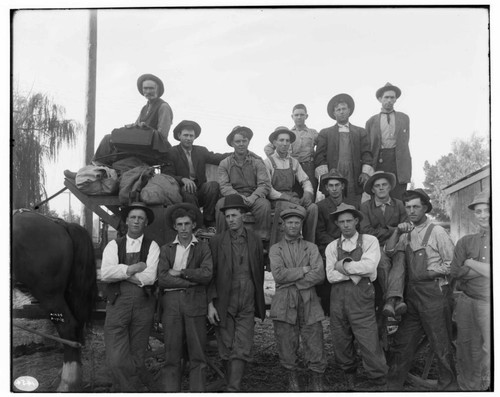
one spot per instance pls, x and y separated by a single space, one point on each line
90 111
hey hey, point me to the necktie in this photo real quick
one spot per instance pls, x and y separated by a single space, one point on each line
388 118
192 173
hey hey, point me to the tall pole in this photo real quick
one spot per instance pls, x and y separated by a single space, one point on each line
90 111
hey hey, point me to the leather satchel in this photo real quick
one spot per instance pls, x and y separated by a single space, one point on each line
132 138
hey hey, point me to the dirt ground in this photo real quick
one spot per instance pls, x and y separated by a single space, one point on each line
42 359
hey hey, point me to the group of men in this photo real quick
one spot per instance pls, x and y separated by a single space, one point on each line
325 256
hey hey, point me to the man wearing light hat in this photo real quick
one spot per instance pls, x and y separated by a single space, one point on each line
296 309
187 164
285 171
184 271
344 147
156 114
236 292
245 174
389 133
471 268
426 252
351 267
129 266
381 216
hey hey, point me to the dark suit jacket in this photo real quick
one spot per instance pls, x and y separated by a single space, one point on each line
194 278
220 286
382 225
326 230
403 156
327 150
178 167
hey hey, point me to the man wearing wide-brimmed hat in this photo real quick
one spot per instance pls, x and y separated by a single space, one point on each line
351 267
381 216
303 147
129 266
344 147
244 173
471 268
285 172
184 271
426 252
236 292
187 164
389 133
156 115
297 268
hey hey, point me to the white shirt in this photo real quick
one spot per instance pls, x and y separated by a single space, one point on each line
182 253
365 267
112 271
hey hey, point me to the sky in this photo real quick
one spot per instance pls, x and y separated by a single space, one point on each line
228 67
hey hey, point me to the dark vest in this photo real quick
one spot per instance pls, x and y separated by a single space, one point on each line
151 117
113 289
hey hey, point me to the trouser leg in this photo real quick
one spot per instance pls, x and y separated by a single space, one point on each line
261 210
396 279
406 340
483 318
287 343
398 190
468 345
208 195
173 326
196 337
309 170
361 315
116 341
310 223
312 340
104 150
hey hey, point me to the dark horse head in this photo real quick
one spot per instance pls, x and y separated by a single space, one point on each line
55 261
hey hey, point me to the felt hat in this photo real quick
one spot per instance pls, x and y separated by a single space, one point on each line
152 77
343 207
236 129
338 99
296 210
480 198
234 201
426 200
388 87
138 206
391 178
333 174
187 124
282 130
187 206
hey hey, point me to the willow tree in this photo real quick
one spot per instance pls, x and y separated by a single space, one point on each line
39 130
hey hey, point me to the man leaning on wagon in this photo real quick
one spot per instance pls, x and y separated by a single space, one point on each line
187 164
236 292
129 267
426 251
471 268
184 271
296 309
245 174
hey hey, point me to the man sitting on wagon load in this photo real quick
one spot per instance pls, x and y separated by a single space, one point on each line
187 164
244 173
154 119
284 171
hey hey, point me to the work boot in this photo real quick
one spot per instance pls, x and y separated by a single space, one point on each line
236 370
317 384
293 381
350 378
69 174
400 307
388 310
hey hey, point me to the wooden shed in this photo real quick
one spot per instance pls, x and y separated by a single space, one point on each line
461 194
